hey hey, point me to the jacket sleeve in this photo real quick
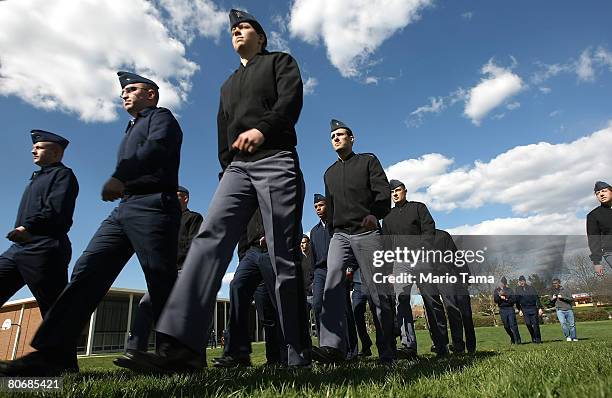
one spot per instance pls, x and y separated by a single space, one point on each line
379 185
594 237
194 228
428 226
284 113
496 297
329 203
225 155
512 297
56 213
162 143
538 301
517 300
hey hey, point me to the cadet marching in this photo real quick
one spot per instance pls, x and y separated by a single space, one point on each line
258 204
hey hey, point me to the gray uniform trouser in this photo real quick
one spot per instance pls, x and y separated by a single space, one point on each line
276 185
607 258
404 307
344 249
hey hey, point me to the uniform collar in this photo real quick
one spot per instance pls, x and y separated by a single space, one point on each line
254 59
51 166
349 157
404 203
145 111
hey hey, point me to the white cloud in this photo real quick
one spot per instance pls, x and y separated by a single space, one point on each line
436 105
188 18
309 85
534 179
371 80
370 23
554 113
589 63
227 278
419 173
545 90
545 224
63 55
276 42
467 15
548 71
513 105
499 85
604 57
498 116
584 67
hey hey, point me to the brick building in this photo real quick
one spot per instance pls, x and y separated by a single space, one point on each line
108 327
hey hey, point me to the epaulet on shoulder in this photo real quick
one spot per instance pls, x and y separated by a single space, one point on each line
368 154
415 202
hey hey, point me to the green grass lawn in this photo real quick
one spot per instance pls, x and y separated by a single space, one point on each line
554 369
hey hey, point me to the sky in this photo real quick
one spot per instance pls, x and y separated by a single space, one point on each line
496 115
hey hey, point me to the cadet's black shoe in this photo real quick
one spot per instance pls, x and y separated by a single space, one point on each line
457 350
231 362
442 352
171 357
406 353
365 352
36 364
327 355
124 360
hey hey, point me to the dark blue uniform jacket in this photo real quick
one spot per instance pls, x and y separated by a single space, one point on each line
48 202
149 155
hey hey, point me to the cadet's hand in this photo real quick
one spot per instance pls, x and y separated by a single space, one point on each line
370 222
540 312
249 141
19 235
112 190
599 269
262 242
520 313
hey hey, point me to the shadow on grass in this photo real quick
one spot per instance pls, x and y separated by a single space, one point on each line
248 380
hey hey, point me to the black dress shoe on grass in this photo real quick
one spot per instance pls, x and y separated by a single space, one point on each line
171 357
36 364
327 355
406 353
228 361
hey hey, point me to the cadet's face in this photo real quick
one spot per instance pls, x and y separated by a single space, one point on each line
45 153
341 140
522 283
398 194
137 96
556 284
305 245
604 195
245 38
321 209
183 199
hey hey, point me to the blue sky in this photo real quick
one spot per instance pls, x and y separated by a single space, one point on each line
495 114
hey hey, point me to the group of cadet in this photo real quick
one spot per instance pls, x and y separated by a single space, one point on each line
527 302
258 203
